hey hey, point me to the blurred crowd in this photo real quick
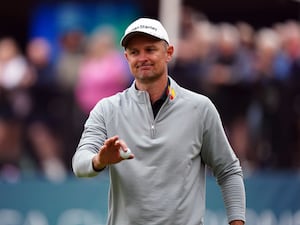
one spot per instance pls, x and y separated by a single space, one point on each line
44 102
252 76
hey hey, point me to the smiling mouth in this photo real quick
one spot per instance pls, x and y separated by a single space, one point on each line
145 67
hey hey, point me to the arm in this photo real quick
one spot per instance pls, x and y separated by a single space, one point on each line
233 193
95 151
220 157
92 138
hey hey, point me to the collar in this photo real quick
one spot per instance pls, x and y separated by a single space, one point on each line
141 96
165 94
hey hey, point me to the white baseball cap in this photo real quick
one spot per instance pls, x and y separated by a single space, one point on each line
147 26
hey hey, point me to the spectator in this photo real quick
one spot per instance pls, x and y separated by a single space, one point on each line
70 56
227 85
194 48
291 114
102 72
72 42
268 93
14 106
43 131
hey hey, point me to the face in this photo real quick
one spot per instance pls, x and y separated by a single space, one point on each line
148 58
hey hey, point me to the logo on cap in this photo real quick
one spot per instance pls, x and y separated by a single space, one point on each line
144 27
148 26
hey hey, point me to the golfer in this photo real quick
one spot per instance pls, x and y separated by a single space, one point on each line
169 137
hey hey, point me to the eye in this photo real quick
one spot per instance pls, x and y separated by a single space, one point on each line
150 49
133 52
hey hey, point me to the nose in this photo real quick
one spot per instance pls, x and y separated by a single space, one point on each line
142 56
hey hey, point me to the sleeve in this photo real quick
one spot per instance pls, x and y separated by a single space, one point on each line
92 138
219 156
233 193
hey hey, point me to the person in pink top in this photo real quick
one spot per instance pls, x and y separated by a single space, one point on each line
103 71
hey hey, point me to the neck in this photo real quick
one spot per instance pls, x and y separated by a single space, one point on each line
155 88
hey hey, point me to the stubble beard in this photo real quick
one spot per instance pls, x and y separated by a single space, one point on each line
149 76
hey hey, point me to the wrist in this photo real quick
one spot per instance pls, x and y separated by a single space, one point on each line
97 165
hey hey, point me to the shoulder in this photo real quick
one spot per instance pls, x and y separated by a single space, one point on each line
191 97
111 103
194 102
114 100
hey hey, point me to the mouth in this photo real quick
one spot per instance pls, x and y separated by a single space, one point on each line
144 67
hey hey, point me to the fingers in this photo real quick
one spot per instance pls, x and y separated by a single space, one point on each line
121 144
110 142
124 151
113 150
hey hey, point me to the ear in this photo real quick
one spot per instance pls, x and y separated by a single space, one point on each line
126 55
170 52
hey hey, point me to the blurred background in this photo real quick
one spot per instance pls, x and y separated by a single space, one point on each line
58 58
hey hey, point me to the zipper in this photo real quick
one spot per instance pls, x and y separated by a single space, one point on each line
153 120
152 129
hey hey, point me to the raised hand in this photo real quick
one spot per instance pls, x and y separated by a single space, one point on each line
109 153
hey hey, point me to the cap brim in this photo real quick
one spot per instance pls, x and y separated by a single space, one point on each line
128 37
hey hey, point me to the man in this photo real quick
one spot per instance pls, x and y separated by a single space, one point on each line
173 135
